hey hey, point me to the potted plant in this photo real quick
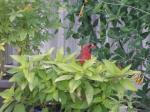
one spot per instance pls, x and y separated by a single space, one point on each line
45 82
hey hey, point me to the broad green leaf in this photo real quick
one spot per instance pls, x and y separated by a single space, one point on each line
111 68
5 106
21 59
66 67
88 73
2 47
78 76
96 77
73 85
63 96
7 94
79 105
29 75
23 35
127 84
42 56
97 99
63 77
55 95
89 63
33 83
76 67
97 108
99 69
89 92
131 72
45 110
12 18
125 70
70 57
60 55
19 108
10 107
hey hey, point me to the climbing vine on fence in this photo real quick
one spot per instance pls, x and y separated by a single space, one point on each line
123 35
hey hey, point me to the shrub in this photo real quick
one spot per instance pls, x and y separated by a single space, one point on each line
94 86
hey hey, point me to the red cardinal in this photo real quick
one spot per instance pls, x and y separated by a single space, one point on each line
85 53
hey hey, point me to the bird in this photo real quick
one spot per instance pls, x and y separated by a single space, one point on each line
85 53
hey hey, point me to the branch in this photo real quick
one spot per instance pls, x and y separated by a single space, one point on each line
141 10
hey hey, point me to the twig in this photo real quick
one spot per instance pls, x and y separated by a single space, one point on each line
141 10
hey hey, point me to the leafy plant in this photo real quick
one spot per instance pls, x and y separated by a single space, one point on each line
123 33
26 23
97 86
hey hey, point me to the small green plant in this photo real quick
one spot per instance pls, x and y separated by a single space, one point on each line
94 86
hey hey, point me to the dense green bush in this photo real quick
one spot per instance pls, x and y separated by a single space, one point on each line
123 34
94 86
26 23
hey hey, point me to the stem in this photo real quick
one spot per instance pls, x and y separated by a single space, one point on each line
1 63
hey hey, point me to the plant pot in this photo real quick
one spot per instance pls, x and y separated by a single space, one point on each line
5 84
51 108
37 109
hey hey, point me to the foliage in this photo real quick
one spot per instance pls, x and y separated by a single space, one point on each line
2 47
94 86
26 23
123 32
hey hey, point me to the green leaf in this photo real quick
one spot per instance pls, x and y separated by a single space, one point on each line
96 77
19 108
79 105
111 68
126 69
10 108
21 59
45 110
7 94
127 84
73 85
60 55
66 67
55 95
23 35
89 63
12 18
76 67
37 58
89 92
97 108
63 77
4 106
